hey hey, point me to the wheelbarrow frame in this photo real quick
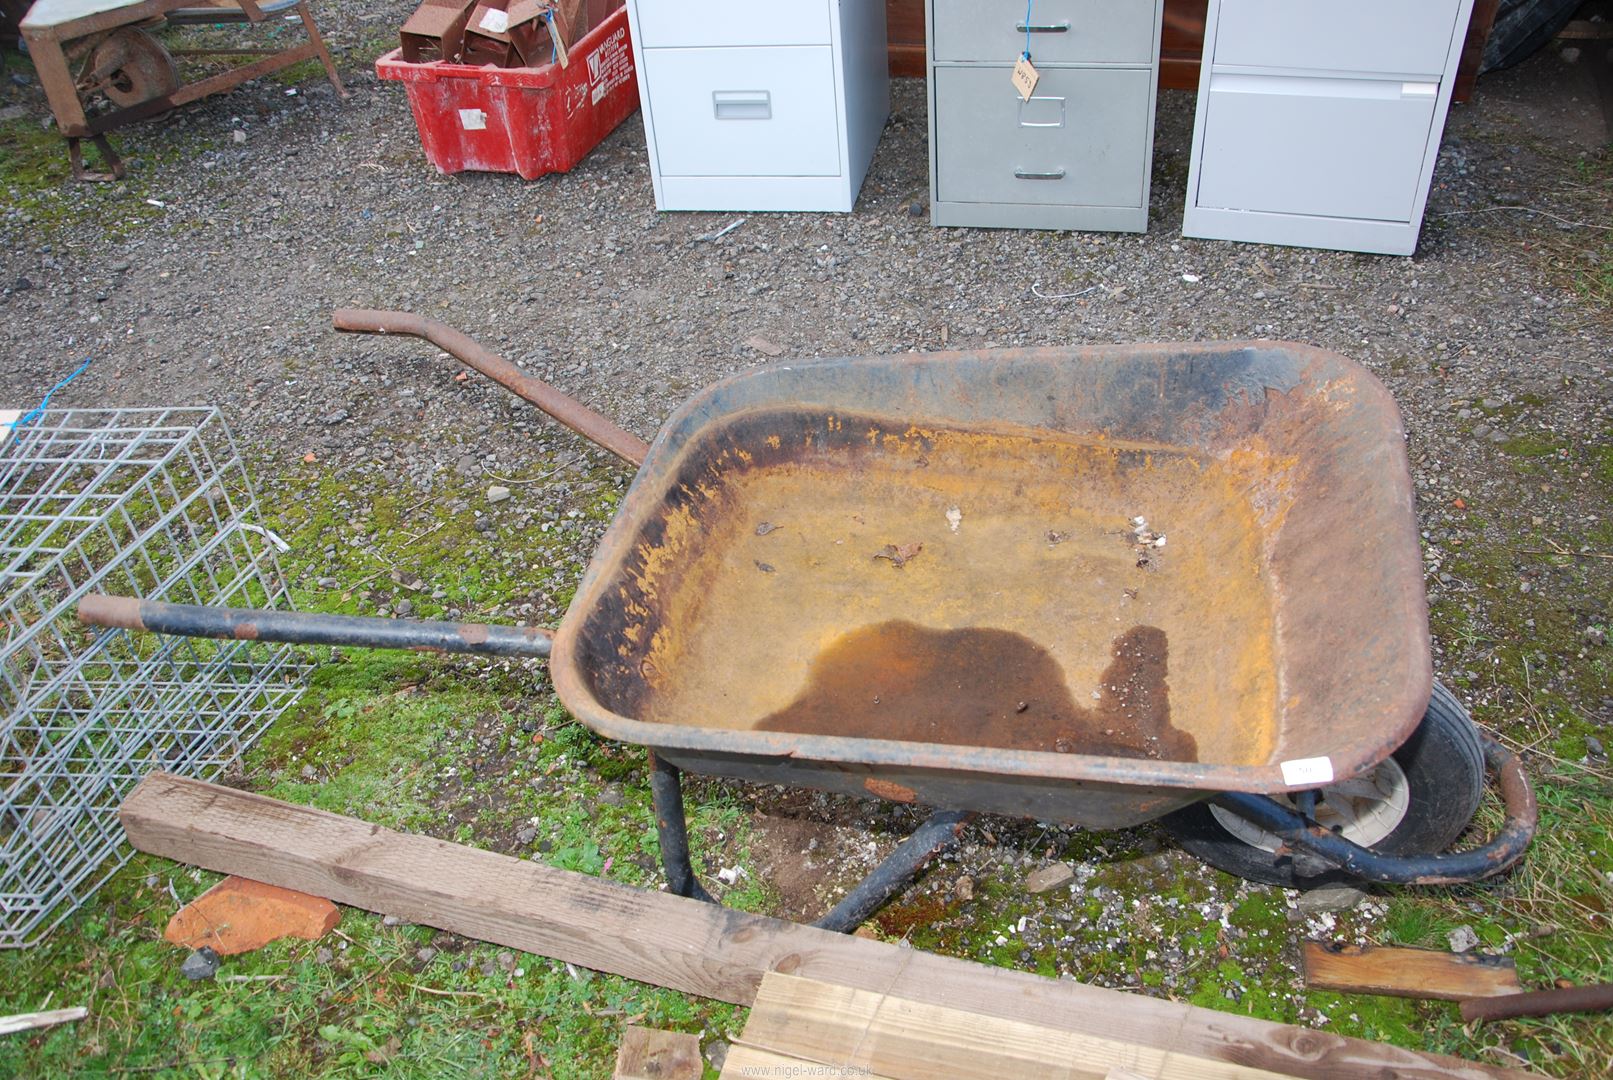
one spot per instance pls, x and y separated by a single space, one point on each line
1314 848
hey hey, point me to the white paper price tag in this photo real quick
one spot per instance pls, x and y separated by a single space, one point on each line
472 119
495 21
1310 770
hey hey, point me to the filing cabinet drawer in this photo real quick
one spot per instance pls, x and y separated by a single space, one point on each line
1062 31
697 23
1081 140
1344 148
1411 37
744 112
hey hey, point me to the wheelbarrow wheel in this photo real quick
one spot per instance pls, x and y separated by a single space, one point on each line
1416 802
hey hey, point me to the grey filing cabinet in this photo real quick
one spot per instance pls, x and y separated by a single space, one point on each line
1077 155
752 105
1319 123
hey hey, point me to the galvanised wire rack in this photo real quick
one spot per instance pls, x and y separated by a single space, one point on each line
154 503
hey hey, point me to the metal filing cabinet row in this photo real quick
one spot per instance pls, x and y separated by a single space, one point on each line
1077 154
760 106
1318 130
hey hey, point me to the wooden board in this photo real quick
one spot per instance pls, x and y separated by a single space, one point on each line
687 945
856 1030
1413 973
653 1054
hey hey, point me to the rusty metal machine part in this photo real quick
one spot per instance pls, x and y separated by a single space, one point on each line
130 67
138 81
570 412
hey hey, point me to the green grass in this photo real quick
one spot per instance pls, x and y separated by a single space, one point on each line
450 747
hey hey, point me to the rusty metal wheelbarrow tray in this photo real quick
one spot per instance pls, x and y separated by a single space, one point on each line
739 610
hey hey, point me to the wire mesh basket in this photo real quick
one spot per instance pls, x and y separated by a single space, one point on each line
153 503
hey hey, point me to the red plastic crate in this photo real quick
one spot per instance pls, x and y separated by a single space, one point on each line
530 121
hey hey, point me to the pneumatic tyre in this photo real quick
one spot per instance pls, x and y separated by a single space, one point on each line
1417 801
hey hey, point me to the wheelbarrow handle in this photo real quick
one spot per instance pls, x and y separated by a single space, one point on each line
247 624
569 411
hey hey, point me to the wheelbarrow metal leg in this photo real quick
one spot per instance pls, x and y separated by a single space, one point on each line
893 875
887 879
666 792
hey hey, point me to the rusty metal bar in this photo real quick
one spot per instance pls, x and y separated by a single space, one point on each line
1572 999
1504 849
570 412
200 620
893 875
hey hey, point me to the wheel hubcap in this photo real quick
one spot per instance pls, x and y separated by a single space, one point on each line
1364 809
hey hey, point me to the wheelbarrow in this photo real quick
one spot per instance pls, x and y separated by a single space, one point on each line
1093 586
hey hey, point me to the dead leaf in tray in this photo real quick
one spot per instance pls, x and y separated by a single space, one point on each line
899 556
766 568
1055 538
766 527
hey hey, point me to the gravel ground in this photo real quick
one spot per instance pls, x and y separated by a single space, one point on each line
222 294
327 203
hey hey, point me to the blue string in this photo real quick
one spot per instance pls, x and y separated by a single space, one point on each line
554 50
39 410
1028 4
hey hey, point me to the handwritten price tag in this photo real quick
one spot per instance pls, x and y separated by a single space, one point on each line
1025 77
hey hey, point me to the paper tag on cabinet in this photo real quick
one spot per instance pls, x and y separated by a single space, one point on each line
1024 77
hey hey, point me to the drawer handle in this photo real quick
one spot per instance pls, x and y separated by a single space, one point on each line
1026 174
1044 28
742 104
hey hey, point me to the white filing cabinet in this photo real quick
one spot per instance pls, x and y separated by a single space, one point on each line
1319 123
760 104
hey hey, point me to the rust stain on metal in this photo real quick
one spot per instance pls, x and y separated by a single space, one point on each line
120 611
704 640
473 633
983 687
246 630
889 789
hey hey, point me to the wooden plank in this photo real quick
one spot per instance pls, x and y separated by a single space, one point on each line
854 1030
1413 973
653 1054
1479 25
749 1063
687 945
